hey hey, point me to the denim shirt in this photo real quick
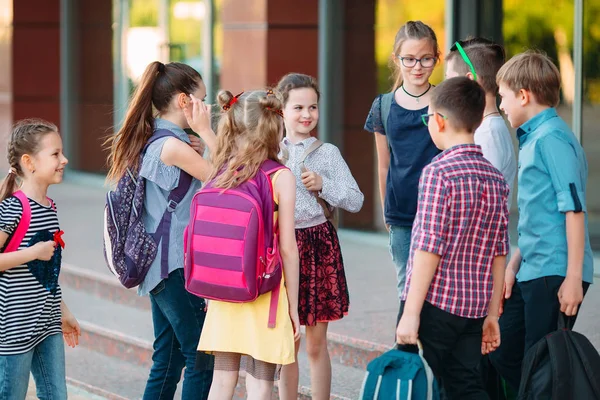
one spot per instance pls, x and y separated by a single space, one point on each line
160 180
553 173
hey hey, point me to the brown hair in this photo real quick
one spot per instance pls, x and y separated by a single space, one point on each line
461 100
411 30
486 56
248 134
293 81
25 138
157 87
534 72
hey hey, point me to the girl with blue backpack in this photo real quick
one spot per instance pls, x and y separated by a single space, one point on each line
403 144
154 145
260 333
32 313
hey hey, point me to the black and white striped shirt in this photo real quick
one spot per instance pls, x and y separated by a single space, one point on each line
28 311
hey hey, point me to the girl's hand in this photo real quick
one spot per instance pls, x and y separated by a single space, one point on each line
197 144
198 117
296 324
70 328
44 250
312 181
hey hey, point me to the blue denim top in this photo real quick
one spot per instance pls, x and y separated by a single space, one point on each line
160 180
553 173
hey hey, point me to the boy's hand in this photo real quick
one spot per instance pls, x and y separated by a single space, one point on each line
70 328
509 282
490 338
312 181
570 296
197 144
408 329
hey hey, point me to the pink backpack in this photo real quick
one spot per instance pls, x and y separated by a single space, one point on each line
21 229
231 242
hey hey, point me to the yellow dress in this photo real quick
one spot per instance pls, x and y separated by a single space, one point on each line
243 327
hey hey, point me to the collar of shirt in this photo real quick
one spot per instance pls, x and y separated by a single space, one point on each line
458 150
306 142
160 123
524 130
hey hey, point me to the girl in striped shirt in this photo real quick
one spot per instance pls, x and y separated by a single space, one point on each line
32 313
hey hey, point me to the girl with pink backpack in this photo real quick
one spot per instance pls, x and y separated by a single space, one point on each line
34 319
241 250
323 183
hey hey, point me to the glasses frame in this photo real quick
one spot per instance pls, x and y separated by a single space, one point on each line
466 59
417 60
425 117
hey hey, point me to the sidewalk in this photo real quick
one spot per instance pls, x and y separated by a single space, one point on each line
369 269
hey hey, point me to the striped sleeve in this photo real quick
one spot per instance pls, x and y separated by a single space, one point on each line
10 214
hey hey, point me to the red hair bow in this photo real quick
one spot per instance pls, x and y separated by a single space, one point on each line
233 100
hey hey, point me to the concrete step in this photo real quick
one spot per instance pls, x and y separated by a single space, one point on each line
77 391
343 349
125 333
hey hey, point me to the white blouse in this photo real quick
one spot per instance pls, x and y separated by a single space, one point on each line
339 187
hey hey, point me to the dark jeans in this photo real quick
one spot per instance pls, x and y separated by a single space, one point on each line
178 317
530 313
452 348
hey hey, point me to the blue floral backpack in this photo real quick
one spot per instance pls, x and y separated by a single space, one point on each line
129 249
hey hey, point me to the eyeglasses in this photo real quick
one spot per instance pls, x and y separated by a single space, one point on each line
425 117
458 46
410 62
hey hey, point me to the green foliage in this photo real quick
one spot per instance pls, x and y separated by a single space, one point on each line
143 13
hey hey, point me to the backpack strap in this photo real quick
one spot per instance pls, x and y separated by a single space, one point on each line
23 226
311 149
328 211
285 153
162 234
559 348
385 106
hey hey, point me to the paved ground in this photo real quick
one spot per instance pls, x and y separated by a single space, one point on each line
370 272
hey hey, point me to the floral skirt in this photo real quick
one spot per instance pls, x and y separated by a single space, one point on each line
323 293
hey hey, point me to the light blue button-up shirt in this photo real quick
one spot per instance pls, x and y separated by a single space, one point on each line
552 177
160 180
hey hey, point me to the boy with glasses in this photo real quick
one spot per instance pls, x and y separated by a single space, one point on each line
480 59
455 272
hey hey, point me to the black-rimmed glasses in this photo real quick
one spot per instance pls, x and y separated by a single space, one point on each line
410 62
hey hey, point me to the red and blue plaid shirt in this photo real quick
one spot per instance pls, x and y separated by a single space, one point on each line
462 216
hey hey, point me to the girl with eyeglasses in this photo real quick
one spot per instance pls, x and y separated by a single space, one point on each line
403 144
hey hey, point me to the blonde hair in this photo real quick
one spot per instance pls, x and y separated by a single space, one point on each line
248 134
411 30
534 72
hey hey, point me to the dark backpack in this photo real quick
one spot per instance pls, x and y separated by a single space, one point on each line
564 365
399 375
128 249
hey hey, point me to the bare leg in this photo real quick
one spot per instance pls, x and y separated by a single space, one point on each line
257 389
320 363
288 382
223 385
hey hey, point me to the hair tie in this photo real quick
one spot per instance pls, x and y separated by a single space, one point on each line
12 170
270 92
161 67
276 111
233 100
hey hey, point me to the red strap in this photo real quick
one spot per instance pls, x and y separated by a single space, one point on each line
23 225
273 307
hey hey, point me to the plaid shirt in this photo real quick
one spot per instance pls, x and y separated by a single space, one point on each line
463 217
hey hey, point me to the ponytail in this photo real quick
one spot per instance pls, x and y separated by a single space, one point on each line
126 146
9 185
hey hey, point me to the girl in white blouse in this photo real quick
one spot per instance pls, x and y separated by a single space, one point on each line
323 182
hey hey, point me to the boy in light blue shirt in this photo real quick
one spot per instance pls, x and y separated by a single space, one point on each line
553 266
